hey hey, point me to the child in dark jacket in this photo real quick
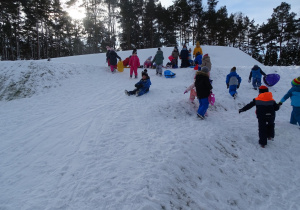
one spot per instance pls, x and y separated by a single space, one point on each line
142 86
233 81
294 94
113 59
256 74
265 112
203 89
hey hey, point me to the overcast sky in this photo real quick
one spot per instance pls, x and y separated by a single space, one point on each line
259 10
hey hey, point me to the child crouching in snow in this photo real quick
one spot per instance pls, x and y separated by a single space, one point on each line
233 81
142 86
148 63
265 113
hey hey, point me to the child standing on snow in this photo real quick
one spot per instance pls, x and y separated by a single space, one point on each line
158 60
233 81
256 74
294 94
134 63
206 61
203 89
142 86
197 49
112 56
175 55
265 112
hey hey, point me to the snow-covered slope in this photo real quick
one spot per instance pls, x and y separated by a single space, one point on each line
78 142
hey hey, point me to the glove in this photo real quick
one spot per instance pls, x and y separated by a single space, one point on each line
238 86
227 86
280 103
240 110
249 80
185 92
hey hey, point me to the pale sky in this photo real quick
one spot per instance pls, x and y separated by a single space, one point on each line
259 10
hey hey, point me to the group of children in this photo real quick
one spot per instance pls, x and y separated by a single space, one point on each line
266 106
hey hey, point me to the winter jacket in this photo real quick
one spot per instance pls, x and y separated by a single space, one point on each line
198 59
184 54
256 72
197 49
175 54
233 79
113 57
206 62
126 61
294 94
158 58
144 86
202 84
134 61
265 105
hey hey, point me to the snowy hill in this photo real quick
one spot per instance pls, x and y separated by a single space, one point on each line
71 139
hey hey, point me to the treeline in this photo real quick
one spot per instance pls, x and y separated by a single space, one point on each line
39 29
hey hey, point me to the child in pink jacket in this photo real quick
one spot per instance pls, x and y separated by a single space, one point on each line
193 93
134 63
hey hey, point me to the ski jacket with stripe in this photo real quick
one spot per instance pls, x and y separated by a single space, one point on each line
233 79
265 105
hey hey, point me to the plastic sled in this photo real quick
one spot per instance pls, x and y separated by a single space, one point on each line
211 99
196 67
271 79
169 74
120 66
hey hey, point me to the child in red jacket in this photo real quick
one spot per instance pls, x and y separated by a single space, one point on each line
134 63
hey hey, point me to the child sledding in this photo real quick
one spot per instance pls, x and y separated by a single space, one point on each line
142 86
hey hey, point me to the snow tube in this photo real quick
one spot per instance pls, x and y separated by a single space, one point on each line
169 74
271 79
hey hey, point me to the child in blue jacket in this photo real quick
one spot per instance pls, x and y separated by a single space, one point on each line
233 81
142 86
256 74
294 94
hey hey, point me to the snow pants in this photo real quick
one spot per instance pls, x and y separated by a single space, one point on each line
193 94
266 128
295 116
256 82
159 69
113 67
133 69
203 106
232 89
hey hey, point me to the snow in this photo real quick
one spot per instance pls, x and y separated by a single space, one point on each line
71 139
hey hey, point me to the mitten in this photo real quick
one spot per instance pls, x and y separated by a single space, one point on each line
280 103
185 92
249 80
227 86
238 86
240 110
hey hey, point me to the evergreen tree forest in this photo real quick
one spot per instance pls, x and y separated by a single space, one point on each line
42 29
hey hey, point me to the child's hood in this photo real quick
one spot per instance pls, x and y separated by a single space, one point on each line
267 96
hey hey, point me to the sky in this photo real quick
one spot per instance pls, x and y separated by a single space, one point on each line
259 10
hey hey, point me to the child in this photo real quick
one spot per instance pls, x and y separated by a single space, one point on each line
197 49
294 94
112 56
206 61
190 57
193 93
134 63
265 112
147 63
175 55
126 61
184 55
256 74
142 86
158 60
198 59
203 89
233 81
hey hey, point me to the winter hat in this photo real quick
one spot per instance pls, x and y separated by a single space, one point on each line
145 72
205 55
233 69
205 69
149 58
263 89
159 48
296 81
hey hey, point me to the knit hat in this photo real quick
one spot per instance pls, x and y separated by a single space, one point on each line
205 69
205 55
233 69
263 89
159 48
144 73
296 81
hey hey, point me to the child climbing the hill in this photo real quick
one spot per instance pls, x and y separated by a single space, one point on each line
158 60
233 81
294 94
147 63
265 112
203 89
134 63
256 74
142 86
